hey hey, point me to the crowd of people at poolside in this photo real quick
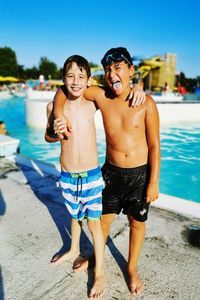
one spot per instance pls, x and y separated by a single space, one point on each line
19 88
46 85
13 89
52 85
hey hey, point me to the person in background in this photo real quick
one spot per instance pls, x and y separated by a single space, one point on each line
181 89
3 129
41 80
165 88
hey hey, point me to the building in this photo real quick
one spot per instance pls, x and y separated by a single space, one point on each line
157 71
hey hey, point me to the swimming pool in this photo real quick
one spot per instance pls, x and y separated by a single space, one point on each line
180 148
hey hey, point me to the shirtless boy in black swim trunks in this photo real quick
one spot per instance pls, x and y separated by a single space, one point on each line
131 170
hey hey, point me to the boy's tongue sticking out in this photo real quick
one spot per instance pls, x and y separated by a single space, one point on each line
117 85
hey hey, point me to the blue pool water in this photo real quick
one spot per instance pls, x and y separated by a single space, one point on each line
180 148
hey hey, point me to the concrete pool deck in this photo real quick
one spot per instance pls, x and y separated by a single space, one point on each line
35 225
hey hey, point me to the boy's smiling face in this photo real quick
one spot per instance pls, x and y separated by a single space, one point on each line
117 75
76 81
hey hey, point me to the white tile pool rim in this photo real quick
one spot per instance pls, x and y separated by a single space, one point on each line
170 113
178 205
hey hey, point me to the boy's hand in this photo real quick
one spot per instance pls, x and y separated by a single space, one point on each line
152 192
137 95
62 128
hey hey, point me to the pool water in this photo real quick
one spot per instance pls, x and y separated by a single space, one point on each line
180 163
180 148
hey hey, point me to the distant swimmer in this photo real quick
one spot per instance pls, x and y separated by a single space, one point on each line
3 129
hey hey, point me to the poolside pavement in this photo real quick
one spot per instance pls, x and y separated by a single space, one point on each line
34 225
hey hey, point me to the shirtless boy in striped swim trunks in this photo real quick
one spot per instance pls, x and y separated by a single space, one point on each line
81 181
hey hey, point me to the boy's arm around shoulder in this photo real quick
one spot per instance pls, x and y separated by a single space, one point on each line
59 102
137 94
94 93
62 125
50 135
152 125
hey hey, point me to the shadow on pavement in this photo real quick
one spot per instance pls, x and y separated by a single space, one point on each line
46 191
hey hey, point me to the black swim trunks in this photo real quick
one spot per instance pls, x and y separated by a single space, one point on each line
125 190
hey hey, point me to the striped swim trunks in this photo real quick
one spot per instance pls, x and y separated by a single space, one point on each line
82 193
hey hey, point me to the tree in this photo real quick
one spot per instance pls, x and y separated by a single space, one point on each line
93 65
182 79
8 62
21 71
47 68
198 80
32 73
60 73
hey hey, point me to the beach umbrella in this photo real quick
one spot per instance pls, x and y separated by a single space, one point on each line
9 79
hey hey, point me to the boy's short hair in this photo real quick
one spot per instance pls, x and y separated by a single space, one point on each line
115 55
81 62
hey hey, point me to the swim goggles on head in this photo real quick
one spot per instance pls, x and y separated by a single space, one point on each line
106 60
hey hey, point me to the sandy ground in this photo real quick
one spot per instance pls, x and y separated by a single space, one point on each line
34 225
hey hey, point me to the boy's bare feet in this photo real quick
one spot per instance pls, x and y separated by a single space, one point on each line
136 285
98 288
62 257
82 263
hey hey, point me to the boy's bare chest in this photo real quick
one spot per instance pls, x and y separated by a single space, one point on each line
80 116
121 115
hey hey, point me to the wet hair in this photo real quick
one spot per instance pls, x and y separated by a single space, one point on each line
81 62
117 54
2 122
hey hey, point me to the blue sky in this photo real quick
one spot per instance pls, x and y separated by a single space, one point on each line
58 29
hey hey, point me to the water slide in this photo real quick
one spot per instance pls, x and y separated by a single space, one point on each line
149 64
